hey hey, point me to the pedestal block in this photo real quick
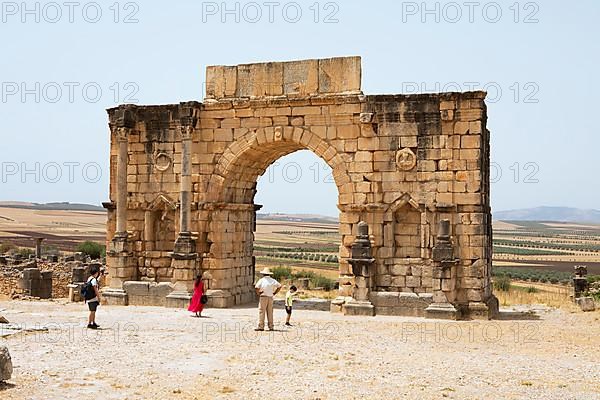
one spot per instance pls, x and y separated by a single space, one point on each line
442 311
114 297
184 272
364 308
220 299
178 299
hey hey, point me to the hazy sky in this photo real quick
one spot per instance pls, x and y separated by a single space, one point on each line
60 70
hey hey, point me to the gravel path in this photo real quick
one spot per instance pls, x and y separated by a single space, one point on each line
157 353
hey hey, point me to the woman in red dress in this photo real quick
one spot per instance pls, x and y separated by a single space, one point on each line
196 304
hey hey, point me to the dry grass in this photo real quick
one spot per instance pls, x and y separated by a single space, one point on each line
557 296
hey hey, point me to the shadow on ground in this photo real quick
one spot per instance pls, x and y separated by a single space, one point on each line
513 315
6 386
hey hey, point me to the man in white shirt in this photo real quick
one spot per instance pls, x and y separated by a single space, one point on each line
266 288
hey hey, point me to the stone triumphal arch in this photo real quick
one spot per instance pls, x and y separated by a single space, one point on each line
412 173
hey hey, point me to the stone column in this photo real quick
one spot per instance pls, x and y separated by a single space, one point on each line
38 247
119 257
186 178
184 256
122 135
444 276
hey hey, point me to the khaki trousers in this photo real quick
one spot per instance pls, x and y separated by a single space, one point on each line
265 305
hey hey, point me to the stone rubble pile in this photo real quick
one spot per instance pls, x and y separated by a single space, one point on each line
43 278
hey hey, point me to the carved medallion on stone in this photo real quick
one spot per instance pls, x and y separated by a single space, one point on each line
406 159
162 162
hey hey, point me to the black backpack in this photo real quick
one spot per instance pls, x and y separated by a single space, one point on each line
87 291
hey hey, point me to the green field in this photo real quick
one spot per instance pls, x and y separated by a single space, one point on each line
549 247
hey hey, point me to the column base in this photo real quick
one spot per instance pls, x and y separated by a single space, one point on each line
442 311
337 304
363 308
220 299
120 261
184 271
178 299
115 297
185 244
488 309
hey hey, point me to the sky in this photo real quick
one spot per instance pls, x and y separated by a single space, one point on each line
63 64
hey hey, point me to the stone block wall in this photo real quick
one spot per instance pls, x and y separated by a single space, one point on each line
147 293
35 283
401 163
11 272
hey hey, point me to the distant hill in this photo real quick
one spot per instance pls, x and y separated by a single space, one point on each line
558 214
297 218
51 206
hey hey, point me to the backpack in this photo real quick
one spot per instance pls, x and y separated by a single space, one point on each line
87 291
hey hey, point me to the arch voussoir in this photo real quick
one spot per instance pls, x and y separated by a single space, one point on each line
254 151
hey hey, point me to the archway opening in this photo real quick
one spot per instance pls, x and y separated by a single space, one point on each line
297 229
234 220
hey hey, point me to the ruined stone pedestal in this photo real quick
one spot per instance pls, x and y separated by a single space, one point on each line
356 307
580 282
220 299
484 310
120 261
183 281
361 262
337 304
178 299
122 268
444 291
114 297
442 311
184 260
444 276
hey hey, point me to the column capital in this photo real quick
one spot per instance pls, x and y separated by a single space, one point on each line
186 132
122 133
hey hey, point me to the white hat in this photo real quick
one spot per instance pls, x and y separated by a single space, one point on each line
266 271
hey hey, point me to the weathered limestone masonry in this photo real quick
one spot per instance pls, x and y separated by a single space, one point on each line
415 168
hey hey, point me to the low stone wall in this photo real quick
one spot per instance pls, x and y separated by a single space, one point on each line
9 277
305 304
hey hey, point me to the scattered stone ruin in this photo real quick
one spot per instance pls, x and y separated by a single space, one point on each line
413 168
581 289
44 278
35 283
580 282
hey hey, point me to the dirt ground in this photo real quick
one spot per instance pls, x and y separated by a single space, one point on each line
158 353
